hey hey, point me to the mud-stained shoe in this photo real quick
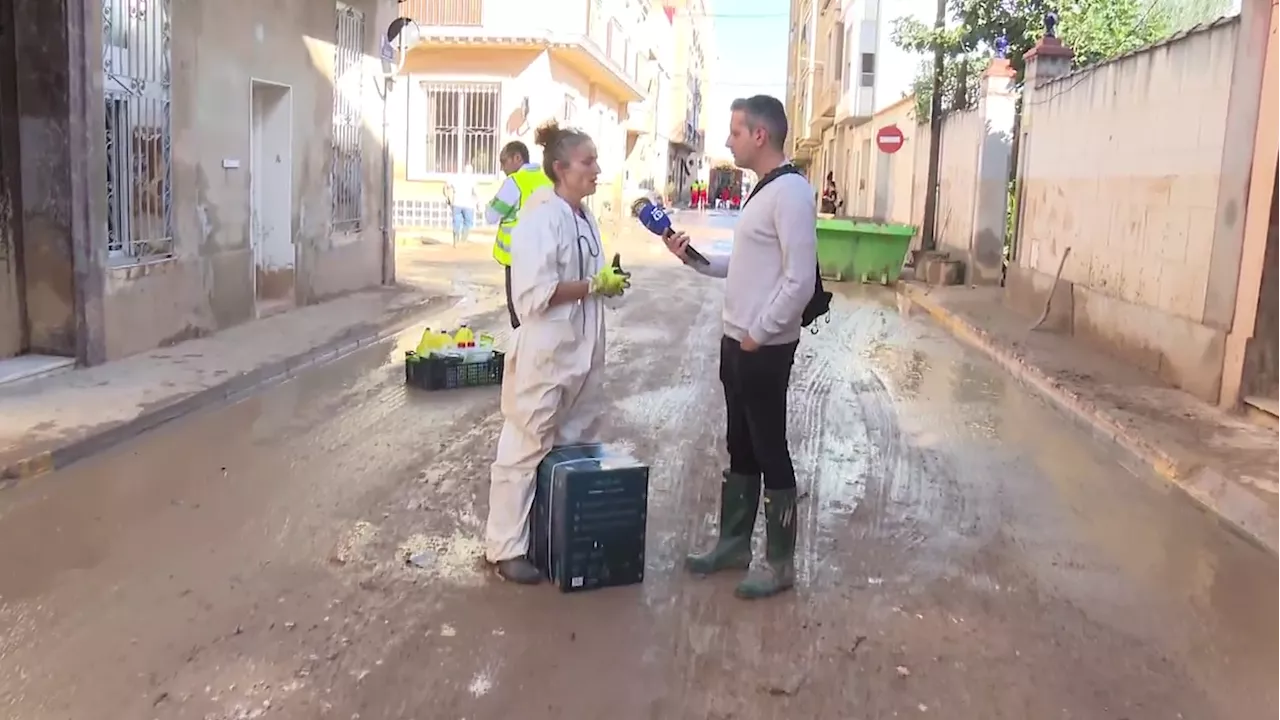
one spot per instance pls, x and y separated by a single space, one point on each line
739 502
779 571
520 571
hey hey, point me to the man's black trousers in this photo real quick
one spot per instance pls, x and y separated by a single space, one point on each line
755 399
511 307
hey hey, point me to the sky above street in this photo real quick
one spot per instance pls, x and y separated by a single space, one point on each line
751 42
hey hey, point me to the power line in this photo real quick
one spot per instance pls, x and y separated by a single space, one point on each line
736 16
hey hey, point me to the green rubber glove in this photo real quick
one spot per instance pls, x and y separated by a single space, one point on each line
612 280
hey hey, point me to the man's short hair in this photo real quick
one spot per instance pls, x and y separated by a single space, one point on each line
767 112
515 148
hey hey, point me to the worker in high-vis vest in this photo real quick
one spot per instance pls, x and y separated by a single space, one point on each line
526 186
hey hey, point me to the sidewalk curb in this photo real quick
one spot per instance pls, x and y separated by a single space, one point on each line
230 390
1240 510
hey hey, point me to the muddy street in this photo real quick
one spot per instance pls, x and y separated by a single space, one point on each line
965 551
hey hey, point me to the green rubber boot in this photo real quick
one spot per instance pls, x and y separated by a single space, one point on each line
739 502
779 572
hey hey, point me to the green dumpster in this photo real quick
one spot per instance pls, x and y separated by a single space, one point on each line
861 249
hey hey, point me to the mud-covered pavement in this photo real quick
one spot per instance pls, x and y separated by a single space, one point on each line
965 552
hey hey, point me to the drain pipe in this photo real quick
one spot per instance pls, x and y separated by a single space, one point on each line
388 246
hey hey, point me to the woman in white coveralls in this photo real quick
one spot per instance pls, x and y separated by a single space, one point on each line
551 389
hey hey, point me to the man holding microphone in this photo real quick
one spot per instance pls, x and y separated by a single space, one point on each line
770 278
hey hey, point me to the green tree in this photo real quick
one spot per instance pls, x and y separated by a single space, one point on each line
1094 29
961 79
1184 14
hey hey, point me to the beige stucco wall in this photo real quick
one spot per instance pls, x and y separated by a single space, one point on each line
898 187
962 136
920 183
1124 164
217 48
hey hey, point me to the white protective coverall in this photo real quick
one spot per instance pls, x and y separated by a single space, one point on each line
552 381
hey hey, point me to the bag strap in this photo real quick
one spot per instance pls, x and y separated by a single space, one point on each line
774 174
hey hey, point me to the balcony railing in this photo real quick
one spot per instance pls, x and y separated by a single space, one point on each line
444 13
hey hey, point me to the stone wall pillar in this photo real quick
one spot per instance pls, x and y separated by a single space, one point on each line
1025 289
55 90
997 108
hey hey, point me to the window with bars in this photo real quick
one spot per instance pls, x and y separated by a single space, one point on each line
136 56
846 61
617 44
445 13
346 183
597 29
570 113
835 45
463 124
868 77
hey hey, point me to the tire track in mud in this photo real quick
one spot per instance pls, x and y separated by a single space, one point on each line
719 644
696 645
873 498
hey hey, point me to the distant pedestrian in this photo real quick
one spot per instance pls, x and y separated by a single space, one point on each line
830 198
460 191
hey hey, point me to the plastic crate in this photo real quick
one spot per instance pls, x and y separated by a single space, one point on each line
437 373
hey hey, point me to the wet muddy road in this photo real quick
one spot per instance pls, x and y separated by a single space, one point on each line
965 552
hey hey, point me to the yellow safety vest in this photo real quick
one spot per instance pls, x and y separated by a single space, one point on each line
527 181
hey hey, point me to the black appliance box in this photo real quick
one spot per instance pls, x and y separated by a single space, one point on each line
589 517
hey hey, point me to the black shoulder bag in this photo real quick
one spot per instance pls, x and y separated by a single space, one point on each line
820 304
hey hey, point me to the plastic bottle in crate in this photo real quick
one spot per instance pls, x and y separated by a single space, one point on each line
426 345
465 338
445 346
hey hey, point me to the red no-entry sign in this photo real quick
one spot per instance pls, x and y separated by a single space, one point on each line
889 139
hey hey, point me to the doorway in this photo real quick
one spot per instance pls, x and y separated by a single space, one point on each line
271 196
1261 378
861 204
884 186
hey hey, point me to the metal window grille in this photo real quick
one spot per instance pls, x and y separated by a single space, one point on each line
347 178
463 126
570 110
137 90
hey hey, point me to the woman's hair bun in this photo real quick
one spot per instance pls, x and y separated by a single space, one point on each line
547 133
